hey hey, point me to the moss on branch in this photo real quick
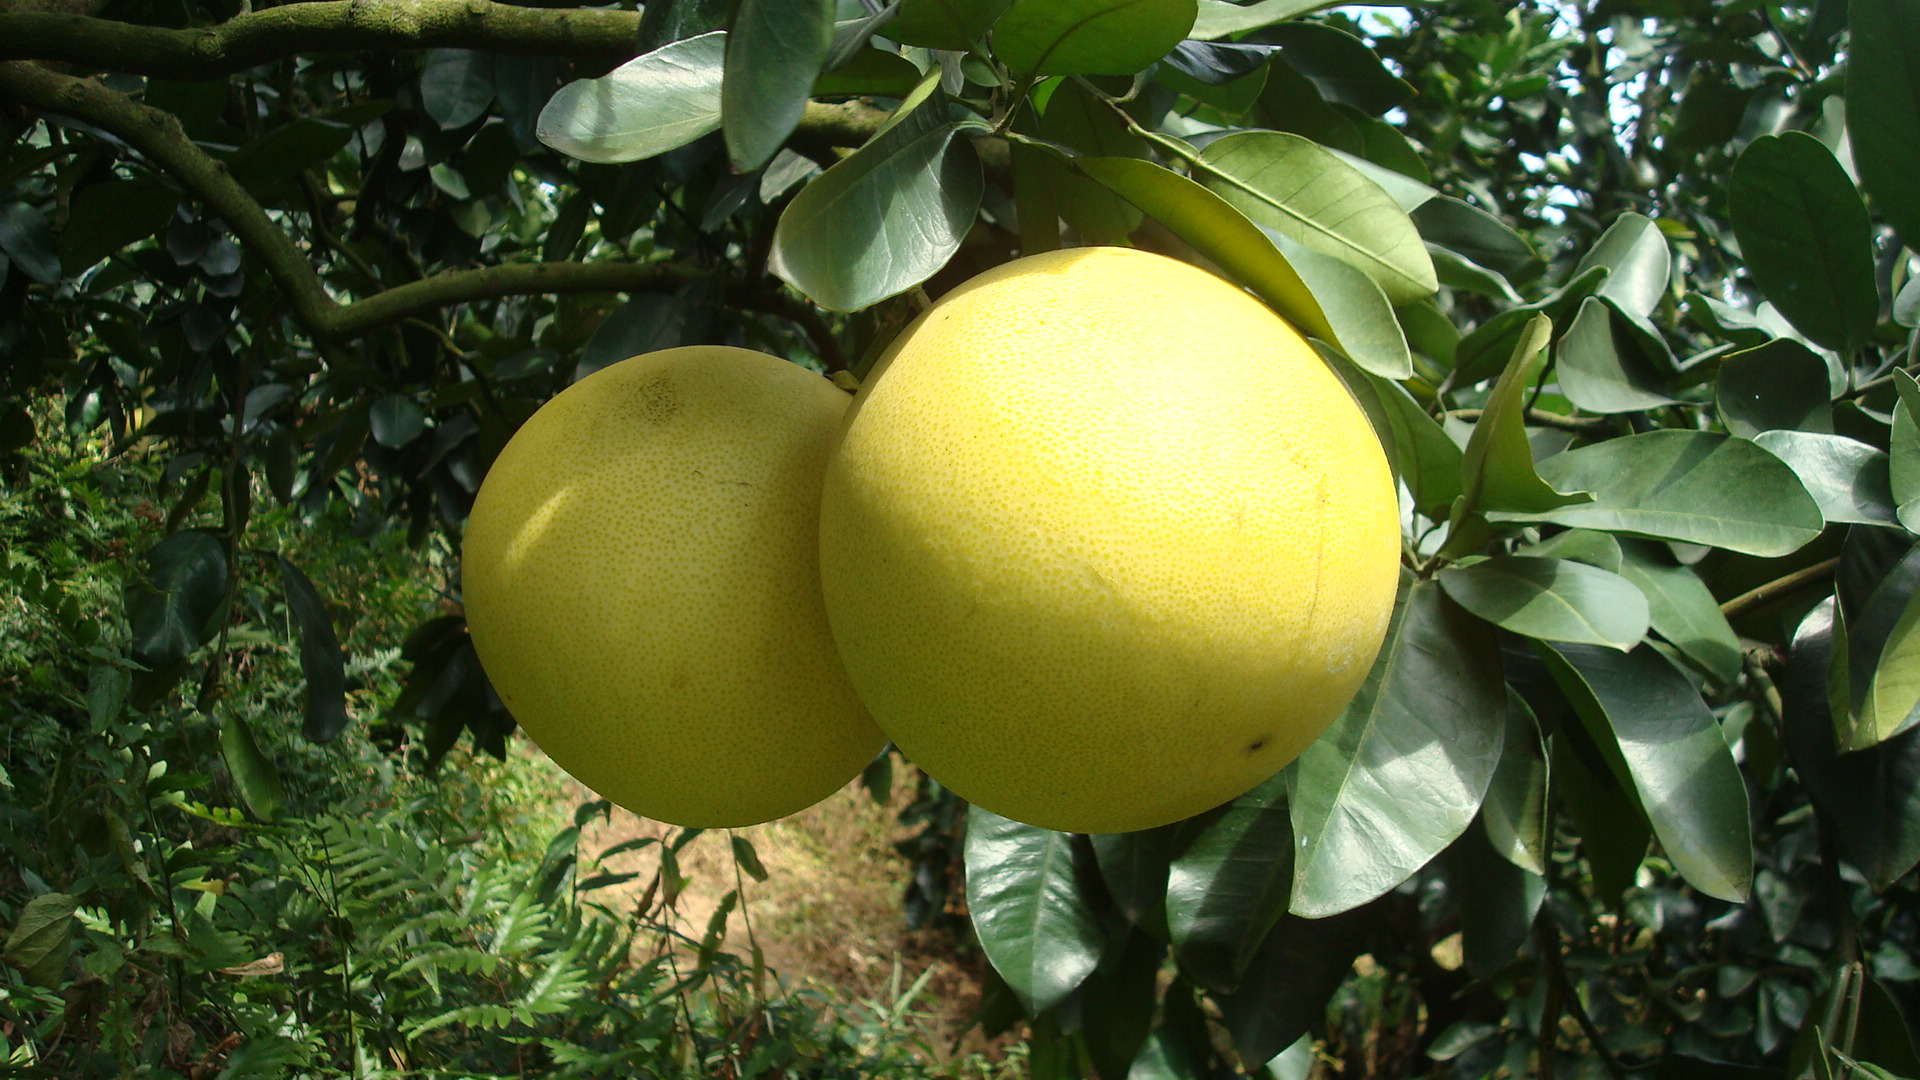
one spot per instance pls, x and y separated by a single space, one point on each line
597 37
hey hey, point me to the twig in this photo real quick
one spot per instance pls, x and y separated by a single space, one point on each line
1579 425
1777 588
1569 996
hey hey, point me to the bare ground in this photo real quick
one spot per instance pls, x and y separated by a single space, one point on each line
829 915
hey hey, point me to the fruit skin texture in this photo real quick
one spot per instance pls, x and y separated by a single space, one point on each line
641 580
1105 543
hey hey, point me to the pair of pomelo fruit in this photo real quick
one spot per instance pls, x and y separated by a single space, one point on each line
1101 544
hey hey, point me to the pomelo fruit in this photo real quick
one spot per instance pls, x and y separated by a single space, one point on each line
641 577
1104 542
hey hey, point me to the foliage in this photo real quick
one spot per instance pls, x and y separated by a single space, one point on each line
1626 288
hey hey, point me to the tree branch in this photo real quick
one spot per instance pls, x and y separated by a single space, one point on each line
603 37
1778 588
1579 425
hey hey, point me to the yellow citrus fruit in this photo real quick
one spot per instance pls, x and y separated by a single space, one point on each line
1105 543
641 578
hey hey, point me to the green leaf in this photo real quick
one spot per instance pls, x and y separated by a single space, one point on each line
1635 251
1417 447
1219 19
1134 867
109 216
1248 255
1229 886
1693 486
1674 756
320 658
1612 827
1290 979
1403 769
253 775
41 937
647 323
748 858
1682 609
1361 316
1028 912
1466 229
1903 450
1299 188
1883 108
1497 469
646 106
1075 118
1846 477
172 609
1871 796
1552 599
1581 545
395 420
943 24
1883 663
1514 813
1601 368
1805 237
1485 351
1121 993
27 241
1778 385
1340 66
1497 902
1089 37
774 52
883 220
456 86
1178 1047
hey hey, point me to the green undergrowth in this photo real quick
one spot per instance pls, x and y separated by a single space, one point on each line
190 888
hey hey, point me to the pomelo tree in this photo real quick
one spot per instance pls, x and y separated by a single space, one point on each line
1627 290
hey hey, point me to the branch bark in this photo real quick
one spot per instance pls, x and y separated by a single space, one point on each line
602 37
158 136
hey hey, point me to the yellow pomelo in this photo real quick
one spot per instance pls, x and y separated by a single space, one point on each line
641 577
1105 543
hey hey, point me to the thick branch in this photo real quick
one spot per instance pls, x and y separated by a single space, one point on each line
604 37
1579 425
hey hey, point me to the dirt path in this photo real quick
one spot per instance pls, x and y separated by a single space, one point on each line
827 917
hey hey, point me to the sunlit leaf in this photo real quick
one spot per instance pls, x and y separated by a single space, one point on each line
775 50
1848 478
1554 599
646 106
1089 37
1031 918
1229 885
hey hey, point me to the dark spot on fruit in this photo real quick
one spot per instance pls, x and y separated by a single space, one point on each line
1256 746
656 400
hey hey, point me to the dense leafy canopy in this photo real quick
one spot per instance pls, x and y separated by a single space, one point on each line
1626 289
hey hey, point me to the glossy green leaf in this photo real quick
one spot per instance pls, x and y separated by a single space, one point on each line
1883 662
1693 486
456 85
1601 369
943 24
395 420
1497 469
42 937
1883 108
1634 250
1462 227
1134 867
1089 37
321 661
1903 448
1805 237
1606 814
1218 18
1553 599
1418 449
646 106
1027 908
172 609
883 220
1229 885
1403 769
1247 254
1075 118
1675 757
1483 353
1872 796
1361 317
1497 902
1290 979
253 774
1340 66
1846 477
1514 813
112 215
27 241
1780 384
1456 271
775 50
1682 609
1581 545
1297 187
